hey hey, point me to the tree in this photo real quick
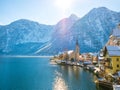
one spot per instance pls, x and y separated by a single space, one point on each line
61 56
66 56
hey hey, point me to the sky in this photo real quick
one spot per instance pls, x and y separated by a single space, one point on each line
50 11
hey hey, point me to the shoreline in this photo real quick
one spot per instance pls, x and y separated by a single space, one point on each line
26 56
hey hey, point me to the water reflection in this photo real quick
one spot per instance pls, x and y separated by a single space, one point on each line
76 72
77 78
59 82
71 71
38 74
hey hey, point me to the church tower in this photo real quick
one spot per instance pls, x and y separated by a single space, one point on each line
77 51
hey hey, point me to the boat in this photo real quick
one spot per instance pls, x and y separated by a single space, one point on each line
81 65
91 68
61 62
101 82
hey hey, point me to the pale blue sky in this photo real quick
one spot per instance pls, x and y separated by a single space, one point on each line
49 11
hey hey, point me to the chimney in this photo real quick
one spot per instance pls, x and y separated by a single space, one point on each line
119 26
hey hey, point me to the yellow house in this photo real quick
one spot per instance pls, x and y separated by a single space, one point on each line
112 59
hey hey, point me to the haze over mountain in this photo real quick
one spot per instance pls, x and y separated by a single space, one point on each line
95 28
31 38
23 36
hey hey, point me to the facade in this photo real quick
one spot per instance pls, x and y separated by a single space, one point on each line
112 59
101 59
95 59
109 57
71 55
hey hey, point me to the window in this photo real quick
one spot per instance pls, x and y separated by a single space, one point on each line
117 65
117 59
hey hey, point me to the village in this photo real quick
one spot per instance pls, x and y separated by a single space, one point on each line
105 64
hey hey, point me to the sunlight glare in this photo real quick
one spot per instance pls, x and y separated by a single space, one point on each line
64 4
59 83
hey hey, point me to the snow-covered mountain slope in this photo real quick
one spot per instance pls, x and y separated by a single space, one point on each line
28 37
95 28
92 31
23 31
62 30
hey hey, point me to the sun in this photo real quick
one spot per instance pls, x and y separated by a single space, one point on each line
64 4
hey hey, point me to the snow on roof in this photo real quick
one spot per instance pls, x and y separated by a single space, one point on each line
70 51
113 50
114 53
100 58
116 32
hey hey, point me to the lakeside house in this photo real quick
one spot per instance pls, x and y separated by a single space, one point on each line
105 65
74 56
112 59
109 57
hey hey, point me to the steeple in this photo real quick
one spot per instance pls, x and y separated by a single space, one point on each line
77 42
77 51
119 26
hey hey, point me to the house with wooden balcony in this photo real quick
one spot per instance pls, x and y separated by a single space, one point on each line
112 59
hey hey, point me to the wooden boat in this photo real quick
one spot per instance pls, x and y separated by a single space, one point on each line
104 84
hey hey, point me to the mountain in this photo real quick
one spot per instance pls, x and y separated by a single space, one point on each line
92 31
62 30
63 26
95 28
59 39
31 38
23 32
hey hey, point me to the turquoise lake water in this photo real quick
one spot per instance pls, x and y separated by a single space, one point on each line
39 74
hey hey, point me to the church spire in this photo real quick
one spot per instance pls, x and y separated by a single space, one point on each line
119 26
77 42
77 50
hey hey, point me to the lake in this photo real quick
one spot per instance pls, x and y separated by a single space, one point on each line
39 74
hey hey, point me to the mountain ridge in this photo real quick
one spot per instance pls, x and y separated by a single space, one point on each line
93 31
